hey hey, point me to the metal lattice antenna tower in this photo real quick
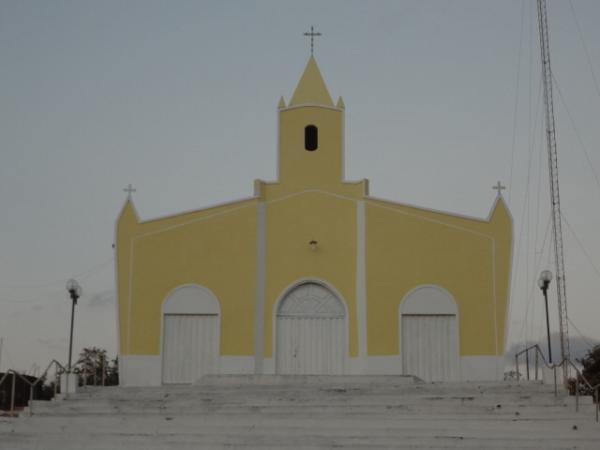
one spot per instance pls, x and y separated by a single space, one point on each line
561 284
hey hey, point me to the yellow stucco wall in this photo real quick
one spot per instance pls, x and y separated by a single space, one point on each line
215 248
291 224
407 247
404 247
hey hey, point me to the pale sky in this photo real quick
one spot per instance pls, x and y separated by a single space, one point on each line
179 98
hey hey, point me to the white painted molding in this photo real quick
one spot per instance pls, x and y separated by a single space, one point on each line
236 365
361 280
146 370
191 299
481 368
140 370
259 310
424 209
384 365
310 105
428 299
194 211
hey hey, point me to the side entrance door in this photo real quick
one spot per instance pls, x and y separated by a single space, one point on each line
189 347
429 346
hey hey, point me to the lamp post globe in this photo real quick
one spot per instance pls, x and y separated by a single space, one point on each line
541 283
73 287
544 283
546 275
74 290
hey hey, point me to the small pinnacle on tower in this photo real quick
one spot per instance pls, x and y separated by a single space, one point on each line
281 103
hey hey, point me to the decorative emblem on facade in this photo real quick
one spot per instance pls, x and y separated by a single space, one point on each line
311 299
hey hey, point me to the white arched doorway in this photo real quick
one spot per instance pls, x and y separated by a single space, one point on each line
190 334
429 334
310 331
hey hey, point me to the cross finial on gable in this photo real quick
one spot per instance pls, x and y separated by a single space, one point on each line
312 35
129 189
498 187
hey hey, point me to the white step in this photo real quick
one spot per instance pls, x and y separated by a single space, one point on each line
270 412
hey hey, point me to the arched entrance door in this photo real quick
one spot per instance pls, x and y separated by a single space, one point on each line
429 334
310 332
190 334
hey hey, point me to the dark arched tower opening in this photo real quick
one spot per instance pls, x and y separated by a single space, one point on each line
311 138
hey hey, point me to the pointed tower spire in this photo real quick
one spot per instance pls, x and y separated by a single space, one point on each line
311 87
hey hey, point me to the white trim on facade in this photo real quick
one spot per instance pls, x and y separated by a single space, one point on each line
310 105
190 299
495 318
427 219
439 301
361 280
445 213
145 370
195 211
312 191
481 368
383 365
140 370
259 310
507 313
236 365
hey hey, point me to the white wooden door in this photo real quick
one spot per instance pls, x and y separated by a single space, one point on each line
190 343
430 347
311 332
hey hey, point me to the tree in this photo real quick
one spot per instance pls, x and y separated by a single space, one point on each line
112 378
94 368
591 366
590 371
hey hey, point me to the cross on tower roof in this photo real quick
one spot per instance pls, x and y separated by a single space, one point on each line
129 189
312 35
498 187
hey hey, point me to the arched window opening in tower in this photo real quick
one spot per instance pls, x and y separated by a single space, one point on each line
311 138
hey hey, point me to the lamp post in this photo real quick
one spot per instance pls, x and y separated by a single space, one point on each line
544 283
74 291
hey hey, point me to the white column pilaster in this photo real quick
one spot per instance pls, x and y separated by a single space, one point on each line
361 288
259 317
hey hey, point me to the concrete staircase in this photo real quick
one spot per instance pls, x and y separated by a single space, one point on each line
262 412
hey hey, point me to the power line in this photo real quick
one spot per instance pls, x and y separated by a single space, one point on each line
576 130
525 213
587 54
82 275
581 246
588 343
515 115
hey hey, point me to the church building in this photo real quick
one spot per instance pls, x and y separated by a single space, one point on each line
312 275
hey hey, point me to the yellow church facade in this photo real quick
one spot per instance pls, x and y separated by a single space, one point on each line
312 275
